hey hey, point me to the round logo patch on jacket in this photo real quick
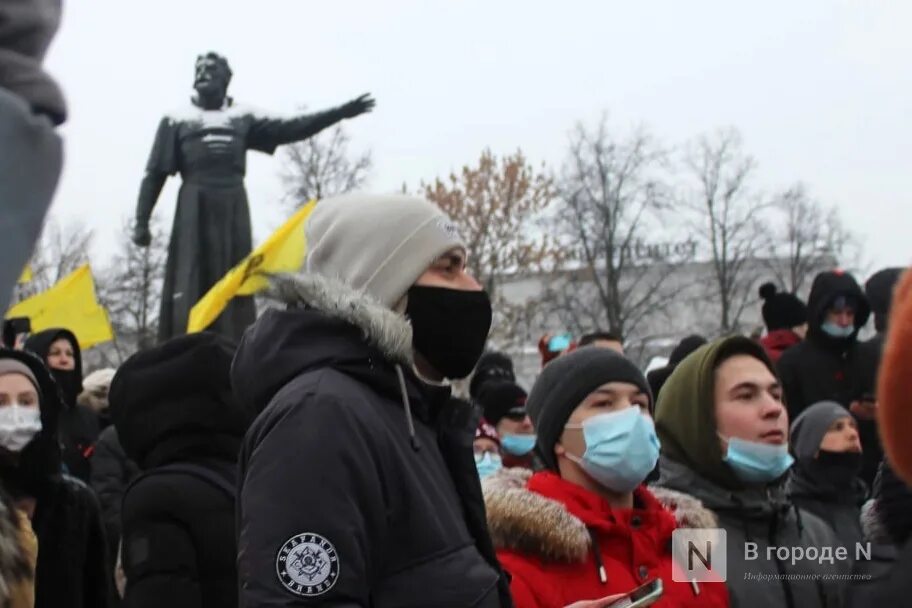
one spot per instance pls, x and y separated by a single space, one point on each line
307 565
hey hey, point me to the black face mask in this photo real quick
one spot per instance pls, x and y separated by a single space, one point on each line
450 327
70 384
841 468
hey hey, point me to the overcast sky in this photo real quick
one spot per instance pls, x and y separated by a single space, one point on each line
820 89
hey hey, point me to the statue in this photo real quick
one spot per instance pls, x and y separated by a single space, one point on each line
207 144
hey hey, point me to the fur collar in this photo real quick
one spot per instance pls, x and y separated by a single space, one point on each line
523 521
384 329
872 525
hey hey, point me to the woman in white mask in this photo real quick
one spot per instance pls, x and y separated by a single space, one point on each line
61 513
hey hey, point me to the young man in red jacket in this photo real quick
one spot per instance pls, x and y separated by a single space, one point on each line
586 528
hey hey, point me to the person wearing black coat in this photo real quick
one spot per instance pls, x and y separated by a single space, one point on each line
79 426
824 479
65 514
112 473
824 367
879 290
176 417
358 480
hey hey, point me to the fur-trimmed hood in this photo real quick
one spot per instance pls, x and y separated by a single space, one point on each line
525 521
324 323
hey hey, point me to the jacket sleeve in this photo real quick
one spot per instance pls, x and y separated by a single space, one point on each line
159 557
311 506
109 480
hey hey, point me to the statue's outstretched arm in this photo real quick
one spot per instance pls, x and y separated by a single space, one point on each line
266 134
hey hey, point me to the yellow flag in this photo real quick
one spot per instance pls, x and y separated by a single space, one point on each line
70 304
26 275
282 252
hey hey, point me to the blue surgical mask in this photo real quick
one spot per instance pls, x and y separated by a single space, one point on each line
621 448
836 331
488 464
518 445
755 463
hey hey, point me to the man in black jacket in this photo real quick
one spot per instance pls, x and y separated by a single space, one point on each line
879 289
824 366
177 418
358 483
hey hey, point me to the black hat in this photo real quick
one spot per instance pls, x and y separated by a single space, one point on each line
491 366
566 382
781 310
879 290
500 399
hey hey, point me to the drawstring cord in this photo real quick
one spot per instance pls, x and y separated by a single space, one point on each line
416 445
597 551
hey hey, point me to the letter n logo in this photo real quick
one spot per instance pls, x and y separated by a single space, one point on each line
699 555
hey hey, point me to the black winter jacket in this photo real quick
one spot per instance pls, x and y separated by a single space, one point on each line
179 547
172 407
72 557
823 368
358 485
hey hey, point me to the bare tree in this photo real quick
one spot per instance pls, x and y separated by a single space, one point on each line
810 239
61 249
728 218
322 166
497 205
612 195
130 289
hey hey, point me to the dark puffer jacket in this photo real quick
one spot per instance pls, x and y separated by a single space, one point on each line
823 368
358 483
176 417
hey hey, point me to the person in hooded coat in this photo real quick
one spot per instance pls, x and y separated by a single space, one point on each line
585 528
657 377
64 513
724 431
785 317
79 426
824 480
358 483
824 366
879 290
177 417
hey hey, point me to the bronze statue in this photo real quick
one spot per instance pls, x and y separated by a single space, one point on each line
207 144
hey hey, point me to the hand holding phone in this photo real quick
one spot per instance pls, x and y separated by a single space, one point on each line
644 595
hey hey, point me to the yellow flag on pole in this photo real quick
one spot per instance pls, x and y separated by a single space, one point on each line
282 252
70 304
26 275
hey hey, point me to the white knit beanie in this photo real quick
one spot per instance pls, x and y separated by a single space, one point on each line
379 245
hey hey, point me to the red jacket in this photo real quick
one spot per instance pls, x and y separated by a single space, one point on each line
544 527
777 342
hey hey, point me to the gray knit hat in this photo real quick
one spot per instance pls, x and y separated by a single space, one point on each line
809 429
566 382
379 245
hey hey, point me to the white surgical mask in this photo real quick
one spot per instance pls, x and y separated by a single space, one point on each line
18 426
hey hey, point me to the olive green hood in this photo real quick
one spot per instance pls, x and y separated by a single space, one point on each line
685 412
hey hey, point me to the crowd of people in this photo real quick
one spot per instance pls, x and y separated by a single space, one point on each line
326 459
